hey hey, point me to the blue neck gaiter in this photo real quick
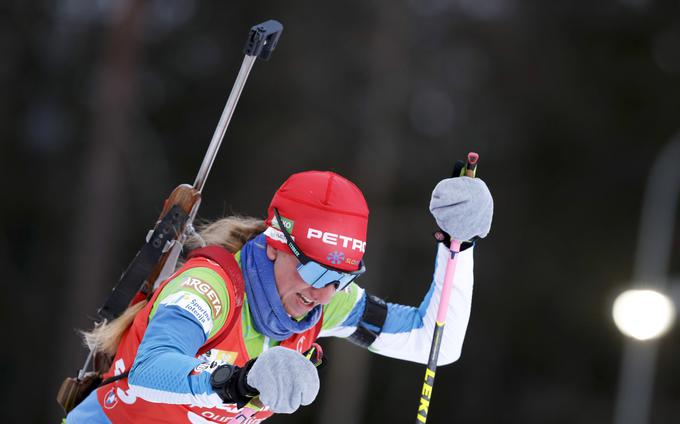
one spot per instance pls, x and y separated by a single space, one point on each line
266 308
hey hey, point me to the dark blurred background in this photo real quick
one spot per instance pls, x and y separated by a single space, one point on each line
107 105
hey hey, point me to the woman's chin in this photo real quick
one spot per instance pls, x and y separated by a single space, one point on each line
296 307
293 312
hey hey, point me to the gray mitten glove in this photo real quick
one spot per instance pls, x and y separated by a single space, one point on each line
285 379
463 207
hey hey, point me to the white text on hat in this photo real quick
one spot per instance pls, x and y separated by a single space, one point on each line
332 239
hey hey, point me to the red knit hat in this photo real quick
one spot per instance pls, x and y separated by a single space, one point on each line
327 216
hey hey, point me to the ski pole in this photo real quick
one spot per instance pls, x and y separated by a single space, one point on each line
469 170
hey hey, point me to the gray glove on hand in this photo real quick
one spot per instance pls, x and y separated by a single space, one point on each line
462 207
285 379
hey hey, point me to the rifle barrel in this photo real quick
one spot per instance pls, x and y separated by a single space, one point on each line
221 129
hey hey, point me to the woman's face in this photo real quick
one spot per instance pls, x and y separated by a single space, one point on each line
298 297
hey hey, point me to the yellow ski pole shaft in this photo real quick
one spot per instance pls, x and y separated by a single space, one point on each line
469 170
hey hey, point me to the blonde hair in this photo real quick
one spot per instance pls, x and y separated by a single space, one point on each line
231 232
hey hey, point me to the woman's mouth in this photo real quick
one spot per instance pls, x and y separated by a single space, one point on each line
305 300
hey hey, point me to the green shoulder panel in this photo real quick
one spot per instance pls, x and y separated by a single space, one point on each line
342 303
204 284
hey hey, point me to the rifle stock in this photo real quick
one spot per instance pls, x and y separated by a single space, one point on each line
170 231
187 199
185 196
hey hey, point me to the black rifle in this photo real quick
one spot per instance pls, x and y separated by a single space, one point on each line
157 258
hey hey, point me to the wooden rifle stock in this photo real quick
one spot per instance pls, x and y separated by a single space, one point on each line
188 199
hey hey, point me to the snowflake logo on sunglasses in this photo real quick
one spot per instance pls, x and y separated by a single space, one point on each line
335 257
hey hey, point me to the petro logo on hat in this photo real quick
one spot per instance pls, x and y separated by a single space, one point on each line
327 216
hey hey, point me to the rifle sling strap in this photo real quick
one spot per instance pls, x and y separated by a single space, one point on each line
144 262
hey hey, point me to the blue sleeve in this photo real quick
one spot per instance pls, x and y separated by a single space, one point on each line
162 370
399 318
407 331
89 411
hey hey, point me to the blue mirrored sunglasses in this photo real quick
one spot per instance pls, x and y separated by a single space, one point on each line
314 273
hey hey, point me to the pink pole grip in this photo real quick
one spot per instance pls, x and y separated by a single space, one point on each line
448 281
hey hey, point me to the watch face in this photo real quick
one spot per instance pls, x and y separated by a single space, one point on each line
222 374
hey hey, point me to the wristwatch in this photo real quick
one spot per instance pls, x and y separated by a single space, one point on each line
230 383
220 377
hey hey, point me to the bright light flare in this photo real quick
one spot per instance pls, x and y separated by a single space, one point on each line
643 314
